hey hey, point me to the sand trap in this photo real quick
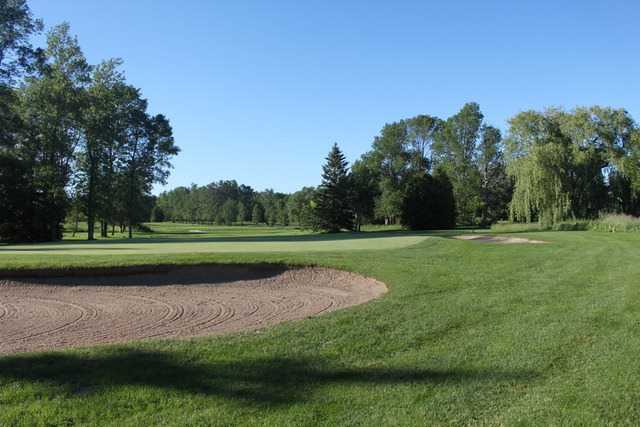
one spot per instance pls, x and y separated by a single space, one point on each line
498 239
38 314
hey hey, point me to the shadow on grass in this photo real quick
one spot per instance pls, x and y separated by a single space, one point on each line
329 237
269 381
151 275
64 249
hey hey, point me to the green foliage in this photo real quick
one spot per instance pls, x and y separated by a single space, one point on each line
82 136
17 27
157 214
428 203
571 164
333 211
617 223
364 189
228 213
463 147
457 152
242 213
21 216
516 227
257 215
496 188
300 207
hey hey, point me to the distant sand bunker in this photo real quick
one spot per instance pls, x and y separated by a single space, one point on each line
498 239
42 314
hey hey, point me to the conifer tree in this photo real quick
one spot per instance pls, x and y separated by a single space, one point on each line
333 210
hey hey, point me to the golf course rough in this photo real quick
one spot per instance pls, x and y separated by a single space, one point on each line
39 314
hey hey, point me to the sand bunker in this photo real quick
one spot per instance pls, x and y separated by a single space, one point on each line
38 314
498 239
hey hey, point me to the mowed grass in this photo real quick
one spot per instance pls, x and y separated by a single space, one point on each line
469 334
172 239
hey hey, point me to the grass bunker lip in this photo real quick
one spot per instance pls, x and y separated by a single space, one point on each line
100 306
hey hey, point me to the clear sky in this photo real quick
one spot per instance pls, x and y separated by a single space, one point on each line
258 91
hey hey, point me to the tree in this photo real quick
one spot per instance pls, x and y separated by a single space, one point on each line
51 104
427 202
257 214
456 151
389 204
145 155
364 190
390 156
229 212
242 214
300 207
21 218
570 164
495 187
100 122
422 133
157 214
333 208
17 26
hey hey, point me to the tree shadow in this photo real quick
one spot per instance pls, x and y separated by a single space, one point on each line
152 275
63 249
326 237
267 381
76 245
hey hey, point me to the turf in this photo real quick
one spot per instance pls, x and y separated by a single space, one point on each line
469 333
173 239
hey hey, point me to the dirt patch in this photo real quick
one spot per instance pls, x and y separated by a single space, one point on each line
38 314
505 240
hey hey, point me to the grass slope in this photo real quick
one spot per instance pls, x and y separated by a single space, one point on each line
469 333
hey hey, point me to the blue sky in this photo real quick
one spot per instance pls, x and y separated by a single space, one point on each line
258 91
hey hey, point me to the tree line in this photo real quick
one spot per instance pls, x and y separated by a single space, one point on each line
74 137
224 203
77 140
425 172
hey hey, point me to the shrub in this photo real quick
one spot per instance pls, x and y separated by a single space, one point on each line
617 222
575 225
516 227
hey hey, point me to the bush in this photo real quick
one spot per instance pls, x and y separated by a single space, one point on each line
516 227
609 223
143 228
617 223
576 225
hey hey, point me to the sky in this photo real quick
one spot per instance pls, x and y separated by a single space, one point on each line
258 91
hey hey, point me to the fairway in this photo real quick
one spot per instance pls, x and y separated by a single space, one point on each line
203 244
469 333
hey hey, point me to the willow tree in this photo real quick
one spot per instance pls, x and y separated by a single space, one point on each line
563 163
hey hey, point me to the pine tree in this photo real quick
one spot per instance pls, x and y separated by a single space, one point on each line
333 210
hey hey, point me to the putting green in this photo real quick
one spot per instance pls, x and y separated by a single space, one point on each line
216 245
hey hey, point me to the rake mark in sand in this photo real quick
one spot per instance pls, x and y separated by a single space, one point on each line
38 314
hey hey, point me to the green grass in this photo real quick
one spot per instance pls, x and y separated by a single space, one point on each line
175 239
176 230
469 334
